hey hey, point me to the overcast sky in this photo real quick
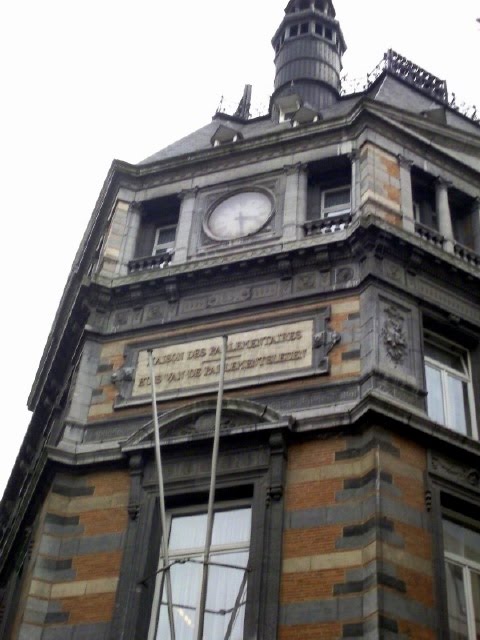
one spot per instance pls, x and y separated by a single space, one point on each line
86 82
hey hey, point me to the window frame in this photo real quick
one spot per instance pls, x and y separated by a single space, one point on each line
162 247
467 566
464 354
336 210
197 551
251 469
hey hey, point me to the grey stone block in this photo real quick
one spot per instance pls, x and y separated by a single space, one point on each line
59 530
316 611
98 631
34 617
51 575
50 546
98 544
30 632
63 632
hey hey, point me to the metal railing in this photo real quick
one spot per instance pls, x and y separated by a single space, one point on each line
414 75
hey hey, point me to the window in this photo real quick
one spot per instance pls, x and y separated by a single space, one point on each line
449 388
227 574
462 570
424 201
329 188
336 201
304 27
158 225
164 239
293 31
319 29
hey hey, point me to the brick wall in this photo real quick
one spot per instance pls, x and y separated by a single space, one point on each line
357 546
380 184
77 558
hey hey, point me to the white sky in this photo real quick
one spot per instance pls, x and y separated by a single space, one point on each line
86 82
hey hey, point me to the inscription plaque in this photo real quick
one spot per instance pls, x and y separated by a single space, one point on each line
260 352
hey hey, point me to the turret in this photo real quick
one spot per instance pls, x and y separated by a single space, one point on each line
309 45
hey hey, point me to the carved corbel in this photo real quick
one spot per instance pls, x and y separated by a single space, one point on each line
277 468
136 465
171 289
285 268
125 374
325 340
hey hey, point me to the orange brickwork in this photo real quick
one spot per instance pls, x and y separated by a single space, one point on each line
75 571
345 556
327 631
89 609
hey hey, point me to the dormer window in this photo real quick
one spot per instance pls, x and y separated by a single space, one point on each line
224 135
305 115
287 106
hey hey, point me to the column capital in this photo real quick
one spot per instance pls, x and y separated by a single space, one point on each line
404 162
443 182
353 155
186 193
291 169
136 206
476 204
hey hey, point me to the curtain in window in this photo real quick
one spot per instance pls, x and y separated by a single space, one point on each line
225 605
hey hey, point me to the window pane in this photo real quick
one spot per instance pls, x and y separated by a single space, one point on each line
166 235
457 608
224 586
435 394
337 198
232 527
458 409
223 597
185 593
475 578
443 356
461 540
188 532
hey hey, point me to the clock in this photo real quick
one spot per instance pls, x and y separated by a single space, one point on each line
239 215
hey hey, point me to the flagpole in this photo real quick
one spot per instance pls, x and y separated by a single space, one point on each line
211 497
163 519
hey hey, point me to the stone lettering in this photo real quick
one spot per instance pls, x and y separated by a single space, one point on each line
260 352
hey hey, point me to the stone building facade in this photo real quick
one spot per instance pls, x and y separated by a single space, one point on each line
336 242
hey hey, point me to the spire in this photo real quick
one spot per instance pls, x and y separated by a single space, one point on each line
309 45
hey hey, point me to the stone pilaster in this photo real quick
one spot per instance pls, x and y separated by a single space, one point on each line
295 207
130 238
184 226
476 225
406 196
443 213
355 187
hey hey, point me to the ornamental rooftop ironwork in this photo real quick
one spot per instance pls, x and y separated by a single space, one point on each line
429 84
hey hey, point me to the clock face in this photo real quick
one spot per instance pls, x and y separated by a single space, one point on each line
239 215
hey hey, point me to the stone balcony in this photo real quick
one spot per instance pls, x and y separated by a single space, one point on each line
151 263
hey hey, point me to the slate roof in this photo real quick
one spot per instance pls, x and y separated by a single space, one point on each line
387 89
